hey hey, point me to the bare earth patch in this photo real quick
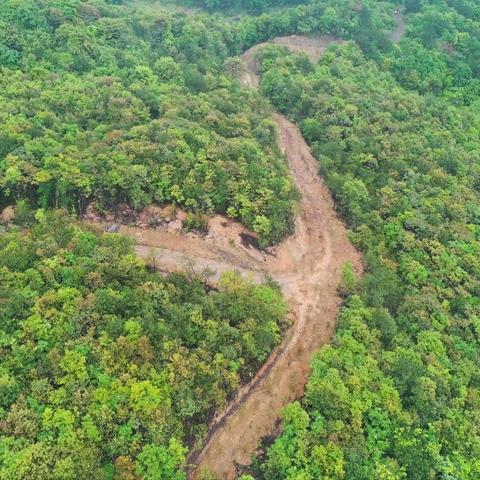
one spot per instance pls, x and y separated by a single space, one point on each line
308 266
400 27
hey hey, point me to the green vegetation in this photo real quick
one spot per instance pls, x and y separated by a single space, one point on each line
441 54
109 371
367 22
396 395
98 103
226 5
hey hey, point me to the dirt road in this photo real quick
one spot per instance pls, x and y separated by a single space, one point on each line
400 27
313 47
307 265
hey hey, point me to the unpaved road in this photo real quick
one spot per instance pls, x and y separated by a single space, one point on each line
308 266
400 28
313 47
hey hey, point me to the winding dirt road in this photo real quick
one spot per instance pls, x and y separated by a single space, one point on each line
308 267
313 47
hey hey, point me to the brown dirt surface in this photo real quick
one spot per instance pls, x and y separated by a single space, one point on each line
308 266
7 214
314 47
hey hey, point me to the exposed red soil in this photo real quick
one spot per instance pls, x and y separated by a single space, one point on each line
308 266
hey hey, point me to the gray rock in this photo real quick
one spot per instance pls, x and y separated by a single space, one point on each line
112 228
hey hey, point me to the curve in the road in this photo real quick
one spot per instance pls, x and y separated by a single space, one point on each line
308 267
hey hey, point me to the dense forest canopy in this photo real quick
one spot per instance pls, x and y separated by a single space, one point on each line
396 395
102 104
227 5
110 371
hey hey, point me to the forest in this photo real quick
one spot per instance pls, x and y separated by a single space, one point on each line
110 370
96 106
249 5
396 395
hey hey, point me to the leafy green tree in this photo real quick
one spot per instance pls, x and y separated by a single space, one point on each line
109 370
